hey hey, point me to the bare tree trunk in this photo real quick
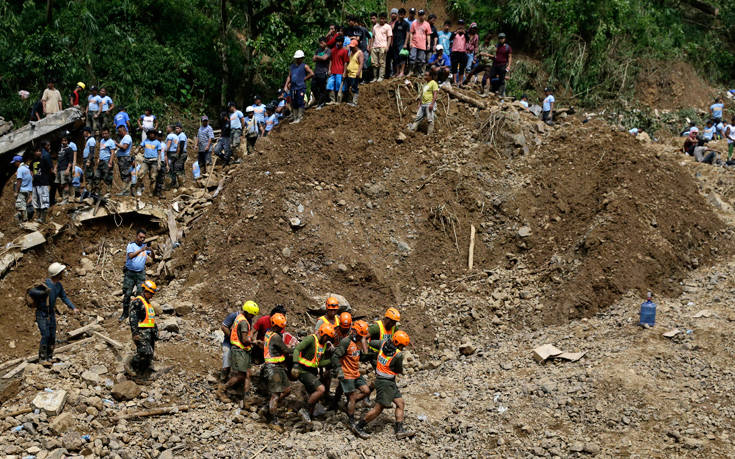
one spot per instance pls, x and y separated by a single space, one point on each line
49 4
223 52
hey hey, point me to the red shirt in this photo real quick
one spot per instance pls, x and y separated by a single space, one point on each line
261 326
339 59
75 98
501 54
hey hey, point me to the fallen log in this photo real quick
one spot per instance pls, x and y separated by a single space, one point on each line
15 413
15 370
464 98
93 326
34 358
153 412
108 340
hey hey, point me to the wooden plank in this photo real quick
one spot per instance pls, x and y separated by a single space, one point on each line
15 370
154 412
109 340
471 258
10 363
93 326
172 229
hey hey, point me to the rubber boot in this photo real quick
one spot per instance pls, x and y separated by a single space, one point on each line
354 100
359 430
24 215
401 432
332 98
41 353
339 97
430 129
50 353
42 215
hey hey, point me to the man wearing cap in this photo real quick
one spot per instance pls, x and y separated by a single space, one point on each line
440 64
23 187
93 109
473 41
411 16
355 31
122 119
136 255
103 166
547 110
88 154
237 122
205 136
298 73
501 63
76 94
46 313
178 159
353 72
484 58
419 40
124 158
51 99
382 41
143 329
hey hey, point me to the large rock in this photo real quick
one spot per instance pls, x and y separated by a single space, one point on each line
169 325
184 308
50 402
126 390
62 423
91 377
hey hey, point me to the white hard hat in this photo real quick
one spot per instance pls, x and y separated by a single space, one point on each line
250 109
298 54
55 269
439 47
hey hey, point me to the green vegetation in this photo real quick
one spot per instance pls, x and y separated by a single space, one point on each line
166 54
594 49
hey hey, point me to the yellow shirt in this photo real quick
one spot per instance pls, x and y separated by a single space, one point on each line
353 68
427 93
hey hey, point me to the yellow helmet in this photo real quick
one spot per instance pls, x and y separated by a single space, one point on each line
150 286
251 307
82 85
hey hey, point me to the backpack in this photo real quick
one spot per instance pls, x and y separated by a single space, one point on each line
36 296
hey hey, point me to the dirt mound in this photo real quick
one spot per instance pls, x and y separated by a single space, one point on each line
673 86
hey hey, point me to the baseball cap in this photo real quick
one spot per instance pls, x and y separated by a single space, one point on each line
412 10
205 118
250 109
17 159
461 21
422 12
501 35
394 11
473 25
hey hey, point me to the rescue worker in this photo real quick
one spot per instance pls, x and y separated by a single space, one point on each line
274 355
307 357
331 316
240 356
143 328
384 329
136 255
46 313
346 366
390 364
341 332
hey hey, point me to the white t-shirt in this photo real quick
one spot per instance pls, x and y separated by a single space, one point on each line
731 135
548 101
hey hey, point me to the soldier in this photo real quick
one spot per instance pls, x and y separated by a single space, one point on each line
144 330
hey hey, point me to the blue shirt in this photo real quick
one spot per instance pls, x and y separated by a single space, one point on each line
229 320
56 290
259 113
106 102
235 122
717 110
94 103
151 148
182 141
73 147
709 132
121 119
444 60
137 263
271 122
89 147
174 143
26 178
77 177
106 149
444 39
252 128
126 140
547 103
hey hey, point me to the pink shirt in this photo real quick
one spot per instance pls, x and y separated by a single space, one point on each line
381 34
419 32
459 42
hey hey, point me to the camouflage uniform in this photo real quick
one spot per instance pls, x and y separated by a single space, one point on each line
131 285
144 338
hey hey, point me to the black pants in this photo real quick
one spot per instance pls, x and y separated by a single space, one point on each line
497 76
319 88
459 62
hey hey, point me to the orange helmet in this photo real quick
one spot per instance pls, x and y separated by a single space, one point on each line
361 327
326 329
278 320
401 338
332 303
149 286
393 314
345 320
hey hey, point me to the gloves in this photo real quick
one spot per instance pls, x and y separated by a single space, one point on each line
295 372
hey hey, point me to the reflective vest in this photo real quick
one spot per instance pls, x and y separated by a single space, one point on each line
326 320
383 368
318 351
150 314
351 361
384 334
233 333
267 354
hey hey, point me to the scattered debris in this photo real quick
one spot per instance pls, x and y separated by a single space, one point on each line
672 333
50 401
